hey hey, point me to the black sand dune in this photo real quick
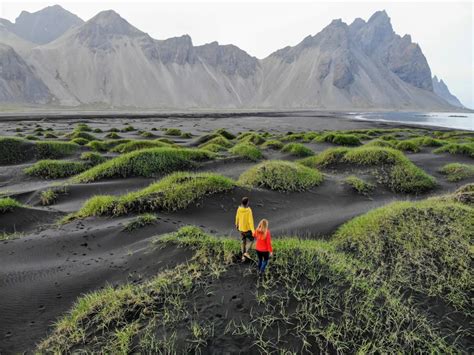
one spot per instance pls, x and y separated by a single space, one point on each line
43 272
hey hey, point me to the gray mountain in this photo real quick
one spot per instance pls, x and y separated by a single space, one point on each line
18 83
362 65
43 26
441 89
108 61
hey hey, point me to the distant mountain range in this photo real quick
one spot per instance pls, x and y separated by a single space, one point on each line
53 57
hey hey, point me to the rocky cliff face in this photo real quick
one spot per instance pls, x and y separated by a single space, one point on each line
18 83
441 89
108 61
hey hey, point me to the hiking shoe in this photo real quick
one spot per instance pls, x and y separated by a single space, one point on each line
247 255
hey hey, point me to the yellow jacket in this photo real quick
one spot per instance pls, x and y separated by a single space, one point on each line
244 219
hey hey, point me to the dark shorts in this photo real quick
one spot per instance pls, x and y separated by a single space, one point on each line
247 235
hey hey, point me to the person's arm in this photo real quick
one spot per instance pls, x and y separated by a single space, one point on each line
252 228
269 242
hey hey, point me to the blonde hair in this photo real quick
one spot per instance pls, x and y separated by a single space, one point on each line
263 228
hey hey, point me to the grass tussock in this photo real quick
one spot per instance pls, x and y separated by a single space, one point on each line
104 146
359 185
48 197
219 140
54 149
246 150
297 149
137 145
339 138
391 167
15 150
92 158
281 176
145 162
457 148
456 171
55 169
424 246
146 219
272 144
173 132
173 192
368 290
251 137
8 204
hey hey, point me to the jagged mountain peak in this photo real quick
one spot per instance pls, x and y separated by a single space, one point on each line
45 25
110 22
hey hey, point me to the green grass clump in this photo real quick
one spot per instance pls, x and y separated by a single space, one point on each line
410 145
48 197
112 135
128 128
92 158
215 148
394 169
173 132
338 138
173 192
359 185
251 137
30 137
81 134
55 169
80 141
297 149
145 162
15 150
281 176
104 146
186 135
329 157
141 221
224 133
50 135
380 143
97 130
457 171
146 134
82 127
246 150
424 246
457 148
273 144
54 150
137 145
219 140
8 204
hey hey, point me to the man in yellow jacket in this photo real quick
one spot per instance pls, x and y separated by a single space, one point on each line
244 224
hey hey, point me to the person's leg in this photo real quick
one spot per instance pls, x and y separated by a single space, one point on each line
260 260
265 257
249 243
243 243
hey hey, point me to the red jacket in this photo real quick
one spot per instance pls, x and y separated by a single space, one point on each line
263 244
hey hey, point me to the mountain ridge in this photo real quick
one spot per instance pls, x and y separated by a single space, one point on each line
108 61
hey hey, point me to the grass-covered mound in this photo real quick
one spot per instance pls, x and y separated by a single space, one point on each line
359 185
15 150
103 146
281 176
297 149
457 171
315 298
380 143
54 149
251 137
219 140
425 247
56 169
391 167
339 138
457 148
145 162
173 132
8 204
141 221
92 158
174 192
246 150
272 144
137 145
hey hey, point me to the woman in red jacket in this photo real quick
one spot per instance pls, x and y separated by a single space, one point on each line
263 245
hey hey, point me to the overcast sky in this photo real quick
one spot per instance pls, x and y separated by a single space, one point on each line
444 30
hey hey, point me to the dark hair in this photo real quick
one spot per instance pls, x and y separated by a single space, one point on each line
245 201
